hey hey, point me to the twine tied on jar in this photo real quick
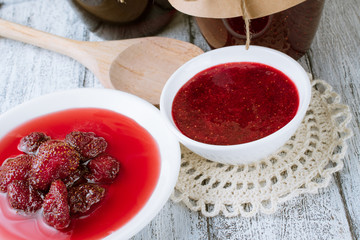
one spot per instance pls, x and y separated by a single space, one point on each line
288 26
248 9
247 23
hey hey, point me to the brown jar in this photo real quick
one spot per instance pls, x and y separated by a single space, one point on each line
123 19
290 31
114 10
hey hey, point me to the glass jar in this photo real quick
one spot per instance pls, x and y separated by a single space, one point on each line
114 10
123 19
290 31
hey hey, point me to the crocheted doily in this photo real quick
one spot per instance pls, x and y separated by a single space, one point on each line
303 165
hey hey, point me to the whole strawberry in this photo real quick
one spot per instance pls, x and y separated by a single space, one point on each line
24 197
103 169
30 143
54 160
56 211
86 143
84 196
14 169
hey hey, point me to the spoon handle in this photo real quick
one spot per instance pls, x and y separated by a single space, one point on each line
68 47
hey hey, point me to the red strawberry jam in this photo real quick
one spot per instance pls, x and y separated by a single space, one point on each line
235 103
30 143
82 197
55 159
12 169
72 205
24 197
56 207
86 143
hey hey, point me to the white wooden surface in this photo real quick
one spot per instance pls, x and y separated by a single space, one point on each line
333 213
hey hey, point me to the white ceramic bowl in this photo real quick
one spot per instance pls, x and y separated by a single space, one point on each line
247 152
131 106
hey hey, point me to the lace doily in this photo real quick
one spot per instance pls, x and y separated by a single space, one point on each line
303 165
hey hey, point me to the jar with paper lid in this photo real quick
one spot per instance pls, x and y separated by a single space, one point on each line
285 25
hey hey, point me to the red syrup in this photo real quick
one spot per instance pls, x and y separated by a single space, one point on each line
235 103
128 142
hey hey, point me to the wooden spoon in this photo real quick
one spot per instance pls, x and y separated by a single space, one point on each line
140 66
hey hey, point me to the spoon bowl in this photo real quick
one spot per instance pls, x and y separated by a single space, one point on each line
140 66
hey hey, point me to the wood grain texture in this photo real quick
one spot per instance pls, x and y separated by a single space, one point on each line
333 213
335 57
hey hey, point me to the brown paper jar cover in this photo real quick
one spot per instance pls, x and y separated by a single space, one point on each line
285 25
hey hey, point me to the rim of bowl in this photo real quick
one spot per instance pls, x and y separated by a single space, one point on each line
229 54
152 121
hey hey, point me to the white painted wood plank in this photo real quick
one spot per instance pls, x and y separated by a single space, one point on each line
175 221
335 56
305 217
31 71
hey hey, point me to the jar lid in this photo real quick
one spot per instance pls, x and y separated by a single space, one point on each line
232 8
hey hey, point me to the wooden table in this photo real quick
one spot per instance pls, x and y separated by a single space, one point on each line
333 213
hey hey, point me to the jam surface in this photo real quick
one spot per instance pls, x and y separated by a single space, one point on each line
235 103
130 143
